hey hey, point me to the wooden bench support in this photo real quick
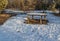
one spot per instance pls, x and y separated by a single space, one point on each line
40 21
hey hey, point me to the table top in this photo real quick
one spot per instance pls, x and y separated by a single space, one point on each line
37 14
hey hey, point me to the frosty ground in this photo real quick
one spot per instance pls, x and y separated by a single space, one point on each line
14 29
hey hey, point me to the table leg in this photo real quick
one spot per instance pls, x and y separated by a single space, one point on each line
28 19
41 20
45 20
32 16
44 17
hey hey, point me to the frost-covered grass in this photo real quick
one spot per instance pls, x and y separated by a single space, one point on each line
15 30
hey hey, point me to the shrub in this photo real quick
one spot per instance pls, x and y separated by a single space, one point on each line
3 4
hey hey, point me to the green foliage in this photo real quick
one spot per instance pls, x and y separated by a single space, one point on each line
3 4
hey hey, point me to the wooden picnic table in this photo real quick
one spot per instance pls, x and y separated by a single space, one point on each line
36 14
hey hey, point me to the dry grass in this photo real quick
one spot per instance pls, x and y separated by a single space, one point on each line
4 17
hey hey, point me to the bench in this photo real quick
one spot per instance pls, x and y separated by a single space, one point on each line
32 20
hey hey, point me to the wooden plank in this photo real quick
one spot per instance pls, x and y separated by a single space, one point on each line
37 14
